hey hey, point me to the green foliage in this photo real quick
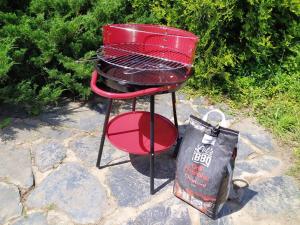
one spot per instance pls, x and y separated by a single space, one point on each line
5 60
242 44
5 122
40 42
294 171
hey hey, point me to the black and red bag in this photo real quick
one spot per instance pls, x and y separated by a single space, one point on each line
205 164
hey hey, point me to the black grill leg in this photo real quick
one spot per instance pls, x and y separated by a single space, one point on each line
174 109
152 144
104 132
133 104
176 149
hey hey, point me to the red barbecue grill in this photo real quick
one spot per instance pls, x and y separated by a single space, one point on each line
142 60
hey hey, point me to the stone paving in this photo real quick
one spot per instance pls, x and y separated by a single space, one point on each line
48 173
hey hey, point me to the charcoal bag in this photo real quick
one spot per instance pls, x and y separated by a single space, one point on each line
205 165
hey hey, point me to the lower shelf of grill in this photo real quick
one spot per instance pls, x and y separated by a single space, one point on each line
130 132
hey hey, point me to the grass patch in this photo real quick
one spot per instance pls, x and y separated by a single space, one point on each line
294 171
282 116
5 122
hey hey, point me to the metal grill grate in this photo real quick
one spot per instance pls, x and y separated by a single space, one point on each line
136 57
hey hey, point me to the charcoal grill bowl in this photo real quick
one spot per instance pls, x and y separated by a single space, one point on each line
139 56
127 85
115 94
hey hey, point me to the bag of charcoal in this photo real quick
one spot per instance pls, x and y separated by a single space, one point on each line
205 164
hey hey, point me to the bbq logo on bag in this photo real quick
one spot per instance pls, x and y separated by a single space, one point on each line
203 154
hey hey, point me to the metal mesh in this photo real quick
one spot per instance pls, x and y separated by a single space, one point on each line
136 57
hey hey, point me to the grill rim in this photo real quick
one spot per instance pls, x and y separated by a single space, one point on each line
135 27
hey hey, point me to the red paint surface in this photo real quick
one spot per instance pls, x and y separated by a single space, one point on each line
182 43
130 132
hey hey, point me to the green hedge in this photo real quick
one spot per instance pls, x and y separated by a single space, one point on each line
248 50
40 43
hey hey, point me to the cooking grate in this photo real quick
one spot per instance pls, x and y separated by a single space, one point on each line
137 57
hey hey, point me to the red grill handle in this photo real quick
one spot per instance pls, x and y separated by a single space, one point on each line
128 95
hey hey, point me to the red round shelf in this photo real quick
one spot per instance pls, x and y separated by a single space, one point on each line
130 132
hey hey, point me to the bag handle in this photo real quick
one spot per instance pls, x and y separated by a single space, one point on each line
222 123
